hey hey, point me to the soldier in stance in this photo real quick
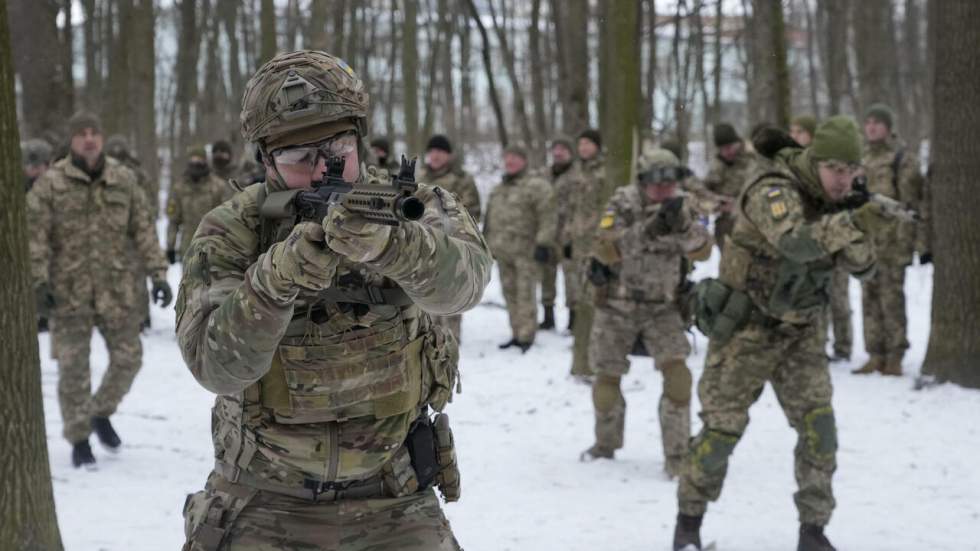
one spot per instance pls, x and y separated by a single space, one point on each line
86 213
892 170
642 238
565 180
442 169
520 228
764 316
196 193
318 339
727 174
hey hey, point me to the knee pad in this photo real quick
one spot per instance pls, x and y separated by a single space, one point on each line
820 433
605 392
711 450
677 381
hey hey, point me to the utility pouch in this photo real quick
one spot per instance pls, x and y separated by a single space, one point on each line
421 444
209 514
720 311
447 480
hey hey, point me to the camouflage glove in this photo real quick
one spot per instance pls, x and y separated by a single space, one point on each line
542 254
354 237
870 218
302 260
45 300
161 293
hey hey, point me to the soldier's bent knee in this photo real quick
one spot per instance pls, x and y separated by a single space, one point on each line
677 381
711 449
820 433
605 392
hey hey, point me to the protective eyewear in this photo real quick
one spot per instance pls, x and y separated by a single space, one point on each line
659 175
338 146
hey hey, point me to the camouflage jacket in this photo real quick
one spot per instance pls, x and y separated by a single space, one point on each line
149 187
457 181
231 171
320 386
584 206
520 215
727 179
187 204
566 183
645 268
787 239
82 232
898 240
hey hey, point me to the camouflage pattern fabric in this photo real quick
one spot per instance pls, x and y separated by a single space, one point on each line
840 313
82 235
727 179
520 216
549 277
457 181
565 180
231 171
883 296
453 324
187 204
580 227
639 302
780 219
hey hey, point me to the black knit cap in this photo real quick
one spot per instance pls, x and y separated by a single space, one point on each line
439 142
221 145
383 144
725 134
592 135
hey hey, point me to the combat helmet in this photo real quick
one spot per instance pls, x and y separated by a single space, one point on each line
35 152
305 90
659 165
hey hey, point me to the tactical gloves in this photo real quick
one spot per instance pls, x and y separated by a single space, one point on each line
870 218
599 273
669 219
161 293
354 237
542 254
171 256
302 260
45 300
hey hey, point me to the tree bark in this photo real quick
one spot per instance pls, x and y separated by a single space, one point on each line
39 68
572 26
811 62
509 64
874 52
187 57
488 66
410 76
228 12
267 22
116 107
769 100
537 80
143 86
954 343
448 23
316 38
27 513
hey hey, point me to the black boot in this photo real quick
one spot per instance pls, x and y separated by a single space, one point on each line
687 533
571 320
524 346
549 318
81 454
107 435
812 539
508 344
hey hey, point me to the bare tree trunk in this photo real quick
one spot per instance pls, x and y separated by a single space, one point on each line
537 80
572 26
716 70
228 12
447 22
143 86
488 66
508 54
67 58
954 345
187 56
27 512
410 77
871 22
433 48
316 37
912 71
116 107
770 101
93 75
267 22
337 28
392 78
811 63
39 68
468 113
649 92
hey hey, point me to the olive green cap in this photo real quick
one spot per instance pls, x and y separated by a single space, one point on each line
82 120
197 151
725 134
516 149
806 122
881 112
837 139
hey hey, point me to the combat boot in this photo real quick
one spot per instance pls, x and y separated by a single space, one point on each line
524 346
107 435
571 320
893 366
875 363
813 539
549 318
687 533
597 452
508 344
81 454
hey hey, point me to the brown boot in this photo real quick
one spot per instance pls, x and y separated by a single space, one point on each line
893 366
875 363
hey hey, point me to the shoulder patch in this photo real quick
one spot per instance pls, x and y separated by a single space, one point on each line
777 203
608 219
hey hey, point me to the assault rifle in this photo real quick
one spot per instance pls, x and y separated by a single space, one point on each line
388 205
892 208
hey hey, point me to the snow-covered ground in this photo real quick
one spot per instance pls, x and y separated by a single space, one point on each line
907 477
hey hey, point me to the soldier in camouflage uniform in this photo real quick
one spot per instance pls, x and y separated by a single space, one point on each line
892 169
442 169
727 174
642 239
381 156
223 166
86 212
35 156
565 180
318 338
583 219
190 198
520 228
764 318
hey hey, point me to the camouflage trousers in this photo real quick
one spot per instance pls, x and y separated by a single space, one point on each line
452 323
724 224
74 336
234 517
883 305
519 278
792 359
549 277
840 312
573 276
616 326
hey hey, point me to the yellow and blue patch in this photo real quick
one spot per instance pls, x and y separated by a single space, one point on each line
777 203
608 219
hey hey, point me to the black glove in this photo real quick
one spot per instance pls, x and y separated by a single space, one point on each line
925 258
161 293
542 254
171 256
599 273
44 299
567 251
669 218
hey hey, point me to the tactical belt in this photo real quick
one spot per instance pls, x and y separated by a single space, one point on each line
313 490
366 295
